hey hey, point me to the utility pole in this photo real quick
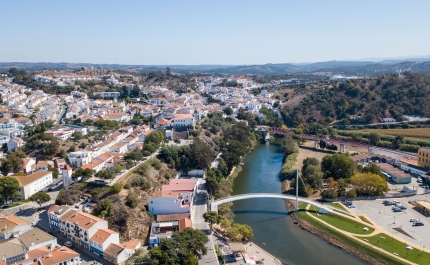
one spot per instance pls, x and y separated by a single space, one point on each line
297 190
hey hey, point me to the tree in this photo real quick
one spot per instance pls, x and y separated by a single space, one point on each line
228 111
372 168
202 153
8 188
313 176
352 193
338 166
212 217
310 161
329 194
77 136
135 155
12 163
290 146
40 197
116 188
374 138
369 184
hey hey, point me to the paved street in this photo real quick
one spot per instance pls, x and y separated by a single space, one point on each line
199 208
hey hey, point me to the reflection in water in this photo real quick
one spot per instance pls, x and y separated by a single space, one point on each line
269 218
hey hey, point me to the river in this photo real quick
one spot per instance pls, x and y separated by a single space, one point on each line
269 218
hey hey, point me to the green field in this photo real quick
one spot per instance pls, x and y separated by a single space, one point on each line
337 205
394 246
418 133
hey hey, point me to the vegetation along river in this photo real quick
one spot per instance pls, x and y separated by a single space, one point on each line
269 218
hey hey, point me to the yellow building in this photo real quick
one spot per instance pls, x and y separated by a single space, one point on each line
424 158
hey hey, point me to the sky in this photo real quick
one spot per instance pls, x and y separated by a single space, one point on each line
212 32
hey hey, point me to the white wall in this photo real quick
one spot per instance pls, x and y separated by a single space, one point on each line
166 205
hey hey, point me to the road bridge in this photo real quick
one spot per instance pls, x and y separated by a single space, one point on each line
323 208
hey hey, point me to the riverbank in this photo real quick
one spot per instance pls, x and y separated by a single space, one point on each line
336 241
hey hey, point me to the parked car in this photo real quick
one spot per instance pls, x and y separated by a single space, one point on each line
401 206
351 206
417 224
68 244
387 203
413 220
395 202
397 209
238 255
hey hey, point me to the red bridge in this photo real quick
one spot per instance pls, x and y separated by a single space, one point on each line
315 138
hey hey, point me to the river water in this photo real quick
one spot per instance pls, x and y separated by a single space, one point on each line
269 218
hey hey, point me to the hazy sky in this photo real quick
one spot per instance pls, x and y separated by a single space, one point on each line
211 32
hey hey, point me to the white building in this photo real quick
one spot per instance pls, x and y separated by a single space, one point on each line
176 197
14 143
102 239
120 253
341 78
30 184
80 158
119 148
67 175
12 225
36 238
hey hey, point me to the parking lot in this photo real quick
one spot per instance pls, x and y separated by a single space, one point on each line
384 217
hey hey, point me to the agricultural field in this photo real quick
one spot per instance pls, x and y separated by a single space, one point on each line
419 133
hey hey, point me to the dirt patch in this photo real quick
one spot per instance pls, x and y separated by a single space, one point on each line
330 239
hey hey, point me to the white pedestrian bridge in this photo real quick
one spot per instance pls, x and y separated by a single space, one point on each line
323 208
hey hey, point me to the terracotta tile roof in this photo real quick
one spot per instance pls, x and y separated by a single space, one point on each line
184 223
172 217
58 255
180 185
102 235
25 180
132 244
164 193
42 163
113 250
84 220
119 145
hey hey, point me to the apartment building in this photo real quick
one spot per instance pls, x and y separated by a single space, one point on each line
424 158
30 184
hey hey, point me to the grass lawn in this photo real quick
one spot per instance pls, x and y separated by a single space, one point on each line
340 222
337 205
347 240
394 246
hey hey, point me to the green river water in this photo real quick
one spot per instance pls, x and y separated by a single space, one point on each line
269 218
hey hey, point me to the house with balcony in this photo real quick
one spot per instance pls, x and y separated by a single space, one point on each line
79 227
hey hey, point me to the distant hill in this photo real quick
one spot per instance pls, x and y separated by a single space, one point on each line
370 99
359 68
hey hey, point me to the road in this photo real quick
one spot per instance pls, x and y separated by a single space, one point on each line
199 208
63 111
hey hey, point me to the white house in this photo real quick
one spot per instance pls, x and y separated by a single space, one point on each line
30 184
102 239
176 197
29 165
80 158
12 225
42 165
14 143
119 148
119 253
389 120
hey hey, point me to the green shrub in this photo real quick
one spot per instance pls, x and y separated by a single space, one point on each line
116 188
127 186
132 201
